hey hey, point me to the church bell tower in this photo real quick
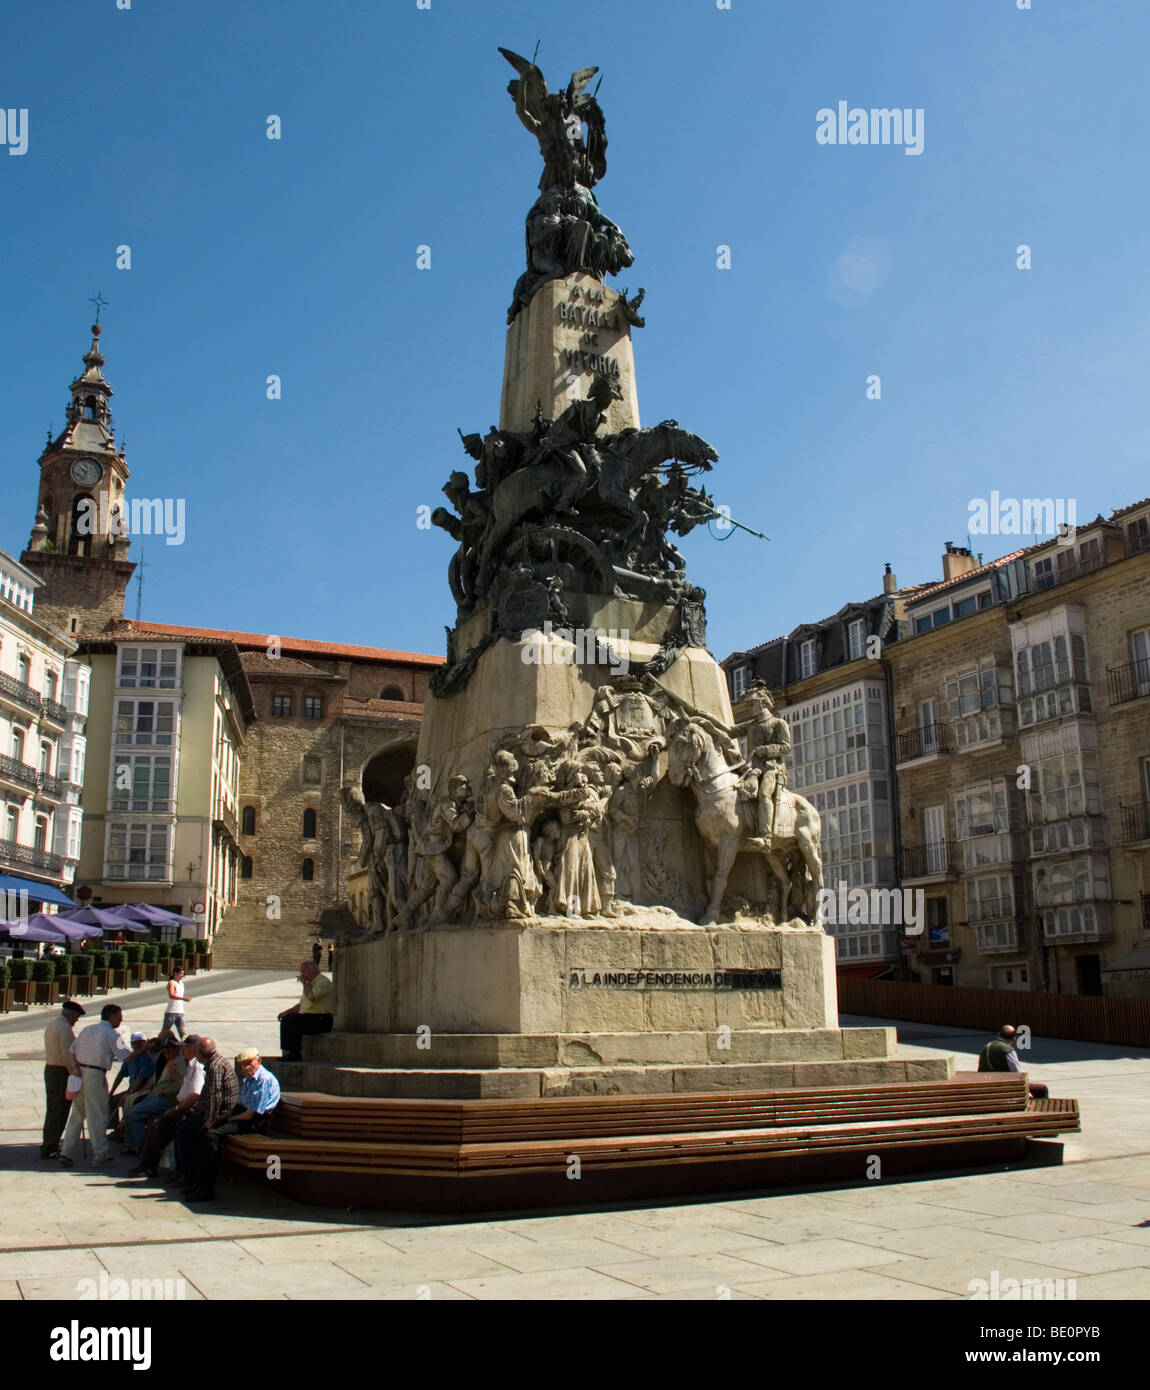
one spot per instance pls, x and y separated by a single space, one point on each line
79 545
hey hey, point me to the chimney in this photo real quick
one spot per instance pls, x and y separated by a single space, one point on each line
956 560
889 581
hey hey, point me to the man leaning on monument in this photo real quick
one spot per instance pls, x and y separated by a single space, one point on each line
313 1013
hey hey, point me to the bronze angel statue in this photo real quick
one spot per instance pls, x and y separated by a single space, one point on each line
557 120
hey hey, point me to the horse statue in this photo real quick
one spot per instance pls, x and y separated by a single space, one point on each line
726 822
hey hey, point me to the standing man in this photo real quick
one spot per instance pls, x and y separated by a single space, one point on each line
96 1050
259 1096
59 1064
317 951
313 1013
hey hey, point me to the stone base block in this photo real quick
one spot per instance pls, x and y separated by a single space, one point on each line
585 981
448 1051
534 1082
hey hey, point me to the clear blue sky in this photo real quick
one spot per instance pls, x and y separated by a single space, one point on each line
298 257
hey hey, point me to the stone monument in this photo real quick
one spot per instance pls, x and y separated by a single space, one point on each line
597 882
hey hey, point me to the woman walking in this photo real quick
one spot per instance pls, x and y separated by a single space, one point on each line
174 1013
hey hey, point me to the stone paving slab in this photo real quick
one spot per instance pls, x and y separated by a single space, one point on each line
906 1240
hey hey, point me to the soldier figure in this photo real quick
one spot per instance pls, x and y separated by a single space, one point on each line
768 743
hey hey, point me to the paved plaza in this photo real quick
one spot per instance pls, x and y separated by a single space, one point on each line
1088 1220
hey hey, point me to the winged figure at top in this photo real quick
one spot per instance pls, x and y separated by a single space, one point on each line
558 120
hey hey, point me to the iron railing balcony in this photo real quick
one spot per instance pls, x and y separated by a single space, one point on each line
15 771
928 861
923 742
1135 823
1130 682
24 856
21 693
1064 574
55 711
52 786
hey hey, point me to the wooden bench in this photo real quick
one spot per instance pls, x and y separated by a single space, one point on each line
484 1155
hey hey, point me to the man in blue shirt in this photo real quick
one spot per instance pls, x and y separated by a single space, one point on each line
259 1096
139 1071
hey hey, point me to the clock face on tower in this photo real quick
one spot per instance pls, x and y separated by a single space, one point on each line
87 472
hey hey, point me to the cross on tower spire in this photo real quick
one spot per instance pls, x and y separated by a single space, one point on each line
100 302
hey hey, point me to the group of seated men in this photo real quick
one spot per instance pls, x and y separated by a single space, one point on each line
187 1094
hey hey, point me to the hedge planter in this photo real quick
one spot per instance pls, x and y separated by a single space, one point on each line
6 1000
22 993
100 981
65 986
45 991
151 971
83 984
136 973
204 960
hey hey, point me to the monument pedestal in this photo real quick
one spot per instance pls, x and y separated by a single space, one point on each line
554 1008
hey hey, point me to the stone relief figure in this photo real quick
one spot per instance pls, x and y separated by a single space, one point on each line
768 743
623 812
545 849
383 836
727 822
506 884
576 891
450 817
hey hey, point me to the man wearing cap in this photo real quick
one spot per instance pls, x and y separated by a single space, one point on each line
138 1071
259 1096
170 1072
59 1064
96 1050
162 1128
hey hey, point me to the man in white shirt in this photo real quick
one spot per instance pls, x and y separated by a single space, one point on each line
96 1050
162 1129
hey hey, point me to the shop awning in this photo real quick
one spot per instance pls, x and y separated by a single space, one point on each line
37 892
865 972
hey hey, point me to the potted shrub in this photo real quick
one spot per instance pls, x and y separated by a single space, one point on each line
44 978
82 982
100 970
64 972
134 955
180 956
151 956
20 973
5 991
203 953
164 956
117 969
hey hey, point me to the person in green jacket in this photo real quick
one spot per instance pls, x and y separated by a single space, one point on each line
999 1055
